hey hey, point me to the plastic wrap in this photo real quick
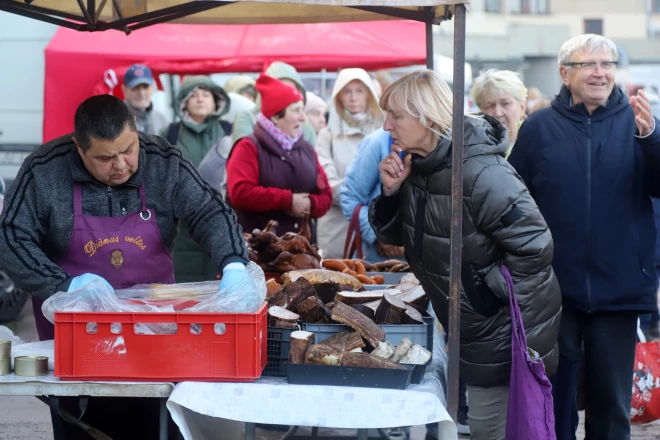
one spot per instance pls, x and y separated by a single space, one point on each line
246 296
8 335
170 292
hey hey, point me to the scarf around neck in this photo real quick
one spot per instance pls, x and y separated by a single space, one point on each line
285 141
357 119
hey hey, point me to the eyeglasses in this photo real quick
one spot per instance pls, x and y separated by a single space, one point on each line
590 66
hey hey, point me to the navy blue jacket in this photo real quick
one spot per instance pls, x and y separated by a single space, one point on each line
592 178
656 209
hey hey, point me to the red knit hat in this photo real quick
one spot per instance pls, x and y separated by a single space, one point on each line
276 95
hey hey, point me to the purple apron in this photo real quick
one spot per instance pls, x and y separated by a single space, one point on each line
530 413
125 250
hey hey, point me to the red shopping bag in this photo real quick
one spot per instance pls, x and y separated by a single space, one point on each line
645 406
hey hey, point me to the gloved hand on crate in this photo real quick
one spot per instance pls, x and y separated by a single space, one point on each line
82 280
231 275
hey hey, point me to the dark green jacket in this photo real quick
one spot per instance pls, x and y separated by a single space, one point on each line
191 263
501 226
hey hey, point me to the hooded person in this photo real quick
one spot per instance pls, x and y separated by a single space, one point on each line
242 85
245 121
239 103
353 114
274 173
201 103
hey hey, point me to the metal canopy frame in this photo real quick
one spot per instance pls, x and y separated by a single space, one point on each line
89 21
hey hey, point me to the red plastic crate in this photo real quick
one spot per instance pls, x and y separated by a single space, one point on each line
238 355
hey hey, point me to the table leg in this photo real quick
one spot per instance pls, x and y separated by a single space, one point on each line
163 434
250 431
363 434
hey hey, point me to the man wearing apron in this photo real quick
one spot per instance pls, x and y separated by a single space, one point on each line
104 203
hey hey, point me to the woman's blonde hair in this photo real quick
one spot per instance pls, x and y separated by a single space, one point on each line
498 81
425 96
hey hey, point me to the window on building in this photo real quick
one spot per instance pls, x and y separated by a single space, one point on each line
593 26
495 6
531 6
656 6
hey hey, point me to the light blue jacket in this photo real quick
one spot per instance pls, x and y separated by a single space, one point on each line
362 184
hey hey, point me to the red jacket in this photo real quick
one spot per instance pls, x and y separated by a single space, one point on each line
246 194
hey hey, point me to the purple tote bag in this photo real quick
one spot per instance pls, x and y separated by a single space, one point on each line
530 414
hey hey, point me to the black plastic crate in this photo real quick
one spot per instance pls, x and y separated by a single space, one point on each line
308 374
275 367
418 372
279 341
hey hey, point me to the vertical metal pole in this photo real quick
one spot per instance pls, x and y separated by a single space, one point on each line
250 429
91 10
173 93
456 208
162 429
430 64
324 85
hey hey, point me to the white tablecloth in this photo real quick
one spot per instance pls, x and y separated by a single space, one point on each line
201 410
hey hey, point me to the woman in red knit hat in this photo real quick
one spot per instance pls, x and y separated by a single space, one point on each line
274 174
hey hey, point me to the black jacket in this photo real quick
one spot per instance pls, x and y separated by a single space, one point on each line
501 226
592 178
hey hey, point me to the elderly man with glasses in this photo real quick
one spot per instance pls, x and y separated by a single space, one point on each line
592 161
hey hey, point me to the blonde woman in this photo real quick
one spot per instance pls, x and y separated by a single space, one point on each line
354 114
501 226
502 95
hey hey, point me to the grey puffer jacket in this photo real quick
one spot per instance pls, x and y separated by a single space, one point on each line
501 226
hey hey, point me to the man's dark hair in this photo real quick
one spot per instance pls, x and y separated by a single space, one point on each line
102 117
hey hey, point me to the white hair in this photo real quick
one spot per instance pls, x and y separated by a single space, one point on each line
586 43
498 81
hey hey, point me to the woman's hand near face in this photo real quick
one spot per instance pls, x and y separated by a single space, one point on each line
393 171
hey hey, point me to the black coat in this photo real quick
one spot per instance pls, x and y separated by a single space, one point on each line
501 226
592 178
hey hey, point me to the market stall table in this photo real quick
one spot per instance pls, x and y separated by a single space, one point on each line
196 407
47 387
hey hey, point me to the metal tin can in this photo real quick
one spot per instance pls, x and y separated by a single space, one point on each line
5 349
30 366
5 367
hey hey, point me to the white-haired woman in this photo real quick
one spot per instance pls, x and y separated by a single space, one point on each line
354 113
502 95
502 226
315 109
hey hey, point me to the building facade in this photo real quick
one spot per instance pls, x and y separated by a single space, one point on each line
525 35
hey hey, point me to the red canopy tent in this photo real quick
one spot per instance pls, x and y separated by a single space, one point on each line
76 62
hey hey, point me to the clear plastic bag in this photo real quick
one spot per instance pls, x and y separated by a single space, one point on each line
170 292
246 296
95 297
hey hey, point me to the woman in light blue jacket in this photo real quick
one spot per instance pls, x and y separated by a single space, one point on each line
360 186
